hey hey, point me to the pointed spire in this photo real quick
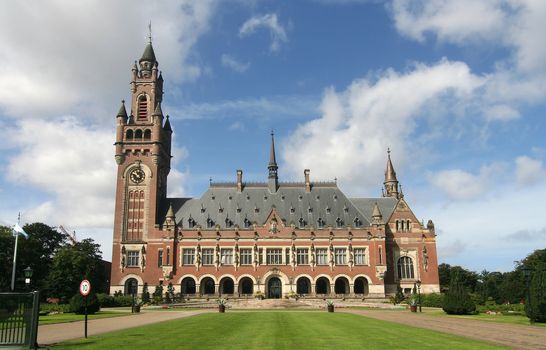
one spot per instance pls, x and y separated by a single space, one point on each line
122 113
170 211
170 219
273 180
377 217
167 126
391 182
158 110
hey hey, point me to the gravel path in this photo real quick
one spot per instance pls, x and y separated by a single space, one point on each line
61 332
511 335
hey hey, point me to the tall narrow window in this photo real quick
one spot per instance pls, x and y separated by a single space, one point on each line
360 256
168 256
405 268
135 215
274 256
132 258
340 256
302 255
226 256
160 258
142 112
322 256
207 256
246 256
188 256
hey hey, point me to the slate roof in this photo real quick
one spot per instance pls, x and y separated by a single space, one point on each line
148 54
222 205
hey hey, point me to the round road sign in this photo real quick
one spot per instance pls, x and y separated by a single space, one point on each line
85 287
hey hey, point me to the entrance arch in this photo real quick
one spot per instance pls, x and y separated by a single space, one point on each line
246 286
322 286
187 286
361 286
274 288
207 286
303 285
341 286
226 286
131 286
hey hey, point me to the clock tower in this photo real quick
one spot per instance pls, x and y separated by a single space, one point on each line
143 157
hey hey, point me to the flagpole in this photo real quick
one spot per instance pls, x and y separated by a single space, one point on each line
15 255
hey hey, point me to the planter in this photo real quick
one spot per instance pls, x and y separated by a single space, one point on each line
413 308
330 308
221 308
136 308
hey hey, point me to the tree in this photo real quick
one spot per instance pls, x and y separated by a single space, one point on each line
145 293
457 301
537 293
71 265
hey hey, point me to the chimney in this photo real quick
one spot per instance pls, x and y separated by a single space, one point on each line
239 180
307 182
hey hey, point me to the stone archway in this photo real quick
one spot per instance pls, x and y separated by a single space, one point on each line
207 286
131 286
322 286
341 286
361 286
303 286
187 286
246 286
227 286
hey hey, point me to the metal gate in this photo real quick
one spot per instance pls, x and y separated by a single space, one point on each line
19 319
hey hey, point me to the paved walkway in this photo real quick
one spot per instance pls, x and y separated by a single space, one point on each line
61 332
511 335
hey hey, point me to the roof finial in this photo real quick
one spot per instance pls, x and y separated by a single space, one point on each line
389 152
149 37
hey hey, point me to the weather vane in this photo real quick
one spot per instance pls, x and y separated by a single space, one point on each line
149 37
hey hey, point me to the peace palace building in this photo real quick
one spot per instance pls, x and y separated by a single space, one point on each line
240 238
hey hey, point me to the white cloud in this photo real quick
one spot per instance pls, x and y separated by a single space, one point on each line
451 249
501 112
529 170
462 185
268 21
357 125
528 235
230 62
64 57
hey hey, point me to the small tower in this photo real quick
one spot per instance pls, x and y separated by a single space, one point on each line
170 219
272 179
377 217
391 182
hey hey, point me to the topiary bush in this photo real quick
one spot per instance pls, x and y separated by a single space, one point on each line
77 304
537 312
432 300
457 301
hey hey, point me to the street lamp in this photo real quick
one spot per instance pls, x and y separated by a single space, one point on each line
28 275
527 273
418 283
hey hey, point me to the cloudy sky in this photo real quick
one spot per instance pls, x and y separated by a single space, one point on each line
457 90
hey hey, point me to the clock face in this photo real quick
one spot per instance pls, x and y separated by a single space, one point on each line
137 176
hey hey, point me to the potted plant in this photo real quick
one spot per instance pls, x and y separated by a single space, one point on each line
330 305
413 303
137 305
259 295
221 305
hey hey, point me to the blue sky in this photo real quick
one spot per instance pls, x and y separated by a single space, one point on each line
457 90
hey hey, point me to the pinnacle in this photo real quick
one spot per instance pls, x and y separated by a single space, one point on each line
122 113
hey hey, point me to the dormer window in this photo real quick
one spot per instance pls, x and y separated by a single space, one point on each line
191 223
339 223
345 209
238 210
246 223
142 112
202 209
292 210
210 223
229 223
357 222
301 223
309 210
256 209
320 223
328 210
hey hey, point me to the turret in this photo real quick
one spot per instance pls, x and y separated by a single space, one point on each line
377 217
272 179
391 182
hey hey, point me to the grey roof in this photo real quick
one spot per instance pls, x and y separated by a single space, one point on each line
255 202
148 54
365 206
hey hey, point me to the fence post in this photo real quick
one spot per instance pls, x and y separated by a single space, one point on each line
33 344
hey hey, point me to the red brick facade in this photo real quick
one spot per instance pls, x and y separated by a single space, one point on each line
239 239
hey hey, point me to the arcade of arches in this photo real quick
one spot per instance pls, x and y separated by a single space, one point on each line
273 288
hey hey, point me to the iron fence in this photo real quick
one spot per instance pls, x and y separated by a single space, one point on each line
19 319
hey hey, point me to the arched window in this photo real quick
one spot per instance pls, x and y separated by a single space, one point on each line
405 268
142 112
129 135
188 286
147 134
131 286
138 134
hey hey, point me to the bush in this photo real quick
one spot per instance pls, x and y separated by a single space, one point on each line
503 308
145 294
106 300
538 297
398 297
432 300
57 308
77 304
457 301
158 294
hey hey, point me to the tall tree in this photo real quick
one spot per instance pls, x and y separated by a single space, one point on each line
71 265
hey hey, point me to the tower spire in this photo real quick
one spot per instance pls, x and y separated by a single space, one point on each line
391 182
273 179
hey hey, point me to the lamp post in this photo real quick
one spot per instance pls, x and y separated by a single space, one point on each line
28 275
418 283
527 273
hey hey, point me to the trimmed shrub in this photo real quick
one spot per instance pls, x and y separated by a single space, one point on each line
145 294
106 300
517 309
57 308
432 300
537 312
77 304
457 301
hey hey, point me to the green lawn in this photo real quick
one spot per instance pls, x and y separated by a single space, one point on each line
275 330
513 319
70 317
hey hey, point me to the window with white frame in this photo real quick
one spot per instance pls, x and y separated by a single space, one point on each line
273 256
246 256
360 256
207 256
340 256
322 256
132 258
226 256
302 256
188 256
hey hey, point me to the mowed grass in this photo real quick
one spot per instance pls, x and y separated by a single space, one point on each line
71 317
511 319
275 330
